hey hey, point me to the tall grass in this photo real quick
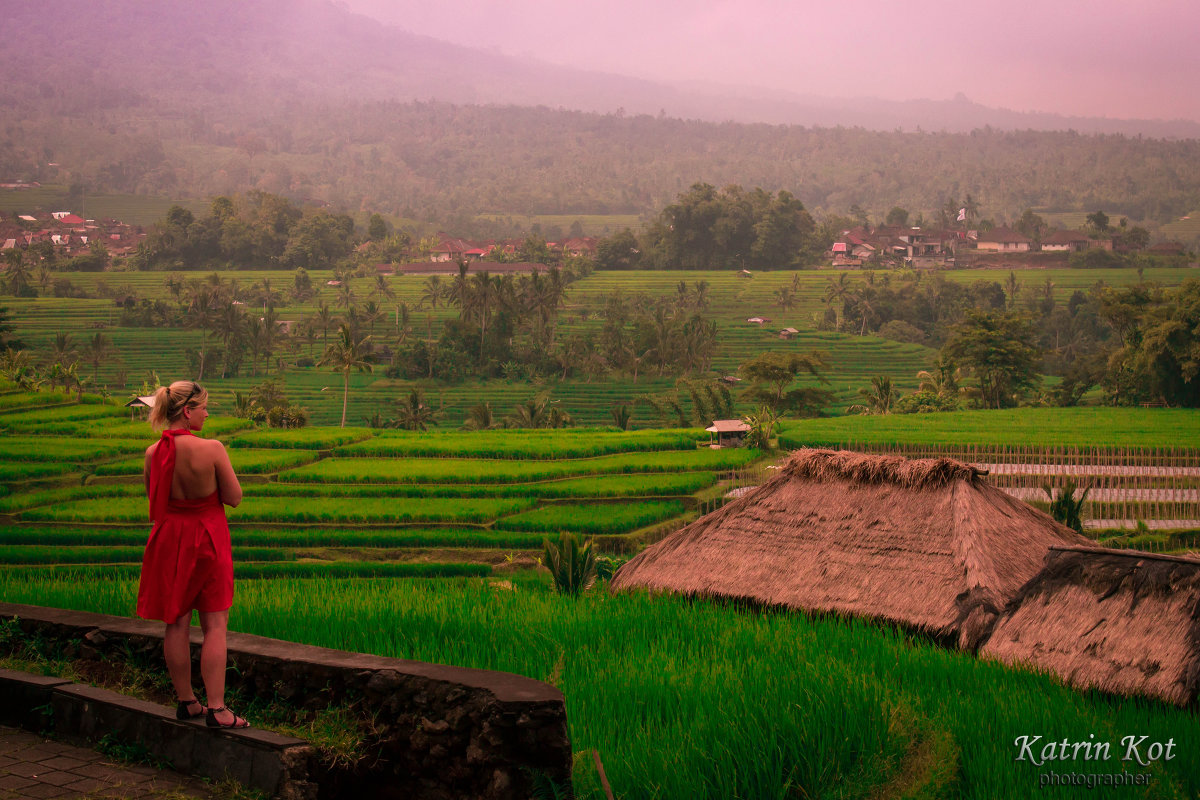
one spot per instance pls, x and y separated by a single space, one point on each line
284 537
16 554
416 470
556 444
304 438
246 462
592 517
652 484
694 699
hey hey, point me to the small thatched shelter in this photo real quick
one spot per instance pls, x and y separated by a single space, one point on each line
1118 620
926 544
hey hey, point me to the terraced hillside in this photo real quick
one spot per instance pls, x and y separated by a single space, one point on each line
421 546
853 360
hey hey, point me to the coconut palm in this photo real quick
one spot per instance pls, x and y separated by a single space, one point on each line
433 291
382 290
99 348
412 413
345 355
325 318
878 399
63 347
17 272
480 417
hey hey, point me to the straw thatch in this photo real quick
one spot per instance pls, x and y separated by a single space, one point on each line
1120 621
922 543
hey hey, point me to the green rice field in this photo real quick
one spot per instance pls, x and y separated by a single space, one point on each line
705 700
422 546
853 360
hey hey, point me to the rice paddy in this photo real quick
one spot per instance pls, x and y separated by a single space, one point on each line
853 360
391 541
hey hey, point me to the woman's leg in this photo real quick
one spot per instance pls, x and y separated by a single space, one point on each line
213 657
178 651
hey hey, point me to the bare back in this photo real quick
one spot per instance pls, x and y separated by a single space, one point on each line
201 468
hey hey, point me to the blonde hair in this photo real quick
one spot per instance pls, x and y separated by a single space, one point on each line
171 401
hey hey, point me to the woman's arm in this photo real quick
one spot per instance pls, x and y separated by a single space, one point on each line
227 482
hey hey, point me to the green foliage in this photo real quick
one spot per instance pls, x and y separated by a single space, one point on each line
1160 359
706 228
1134 428
528 444
762 428
571 562
1001 351
772 375
684 694
593 517
1067 508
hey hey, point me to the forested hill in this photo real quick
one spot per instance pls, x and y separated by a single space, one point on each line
192 100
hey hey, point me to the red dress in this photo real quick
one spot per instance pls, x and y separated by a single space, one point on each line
188 563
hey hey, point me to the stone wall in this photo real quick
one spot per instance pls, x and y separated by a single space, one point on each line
437 732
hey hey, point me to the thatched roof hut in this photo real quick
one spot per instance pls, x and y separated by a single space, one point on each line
926 544
1118 620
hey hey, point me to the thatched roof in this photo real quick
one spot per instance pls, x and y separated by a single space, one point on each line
1118 620
922 543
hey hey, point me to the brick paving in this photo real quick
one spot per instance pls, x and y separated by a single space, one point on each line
32 767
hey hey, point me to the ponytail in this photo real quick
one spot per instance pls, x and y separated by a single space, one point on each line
171 401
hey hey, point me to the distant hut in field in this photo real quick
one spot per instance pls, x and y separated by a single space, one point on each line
1120 621
926 544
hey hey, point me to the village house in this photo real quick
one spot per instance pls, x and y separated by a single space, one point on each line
1064 241
1003 240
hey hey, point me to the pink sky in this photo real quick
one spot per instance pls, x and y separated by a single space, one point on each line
1097 58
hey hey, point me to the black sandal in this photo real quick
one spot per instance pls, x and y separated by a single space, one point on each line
182 710
213 722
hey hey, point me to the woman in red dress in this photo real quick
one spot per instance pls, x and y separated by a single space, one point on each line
188 563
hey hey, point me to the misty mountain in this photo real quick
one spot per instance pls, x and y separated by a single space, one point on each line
267 52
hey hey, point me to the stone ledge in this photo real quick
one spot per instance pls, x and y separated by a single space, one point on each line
85 714
439 732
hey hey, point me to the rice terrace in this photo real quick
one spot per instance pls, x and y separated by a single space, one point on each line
422 546
635 401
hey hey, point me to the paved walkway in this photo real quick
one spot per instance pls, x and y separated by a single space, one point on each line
32 767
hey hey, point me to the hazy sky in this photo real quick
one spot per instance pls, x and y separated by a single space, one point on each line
1137 58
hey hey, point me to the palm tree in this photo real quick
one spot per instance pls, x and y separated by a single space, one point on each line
412 414
345 355
229 324
701 295
622 415
325 317
459 289
99 347
837 292
879 399
480 418
382 290
17 271
372 313
943 380
572 564
345 296
433 291
71 378
785 298
64 347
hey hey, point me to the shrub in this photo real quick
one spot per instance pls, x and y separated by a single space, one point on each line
572 564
